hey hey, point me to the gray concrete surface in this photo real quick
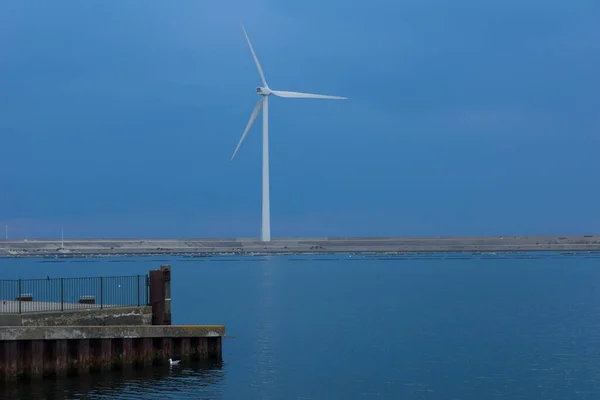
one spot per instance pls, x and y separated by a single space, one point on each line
109 332
89 317
120 247
12 306
10 320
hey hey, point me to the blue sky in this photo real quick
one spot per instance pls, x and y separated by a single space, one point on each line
464 117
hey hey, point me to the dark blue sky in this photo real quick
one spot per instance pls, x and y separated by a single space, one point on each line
464 117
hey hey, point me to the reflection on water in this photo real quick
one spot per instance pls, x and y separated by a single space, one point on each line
196 380
434 327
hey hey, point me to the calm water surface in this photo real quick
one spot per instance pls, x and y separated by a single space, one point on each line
323 327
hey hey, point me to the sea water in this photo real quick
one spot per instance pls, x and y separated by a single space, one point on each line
471 327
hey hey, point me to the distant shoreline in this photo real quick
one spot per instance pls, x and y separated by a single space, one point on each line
289 246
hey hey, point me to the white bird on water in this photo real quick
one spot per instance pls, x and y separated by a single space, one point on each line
176 362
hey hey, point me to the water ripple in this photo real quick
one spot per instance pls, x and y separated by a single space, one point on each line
199 381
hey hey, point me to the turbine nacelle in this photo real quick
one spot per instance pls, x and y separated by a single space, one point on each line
263 91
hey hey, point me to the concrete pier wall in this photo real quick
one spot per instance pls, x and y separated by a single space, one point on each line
30 352
85 317
53 343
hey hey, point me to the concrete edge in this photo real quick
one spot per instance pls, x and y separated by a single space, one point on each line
142 310
109 332
126 315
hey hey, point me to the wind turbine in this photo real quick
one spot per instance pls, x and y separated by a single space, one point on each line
263 103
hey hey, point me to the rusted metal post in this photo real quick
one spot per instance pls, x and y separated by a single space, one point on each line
160 295
166 269
83 356
167 348
157 297
144 351
9 359
61 357
184 348
100 354
49 357
23 357
36 358
128 354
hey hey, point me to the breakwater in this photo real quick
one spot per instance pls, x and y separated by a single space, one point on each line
324 245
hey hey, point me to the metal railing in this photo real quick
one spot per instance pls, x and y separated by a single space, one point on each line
64 294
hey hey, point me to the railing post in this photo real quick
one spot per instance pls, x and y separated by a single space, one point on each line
62 294
101 296
139 289
19 295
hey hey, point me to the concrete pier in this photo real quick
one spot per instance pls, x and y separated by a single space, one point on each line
73 341
30 352
87 317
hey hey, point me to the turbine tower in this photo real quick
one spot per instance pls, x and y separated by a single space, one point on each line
265 92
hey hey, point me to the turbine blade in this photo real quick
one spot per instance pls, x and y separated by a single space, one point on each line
298 95
260 71
255 112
